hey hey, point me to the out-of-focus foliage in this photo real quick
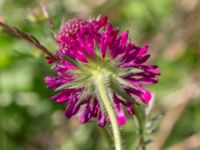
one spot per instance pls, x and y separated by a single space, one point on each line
29 120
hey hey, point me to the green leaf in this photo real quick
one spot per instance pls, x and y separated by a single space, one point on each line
78 83
88 91
116 87
128 71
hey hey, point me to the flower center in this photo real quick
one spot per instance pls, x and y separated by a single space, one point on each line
73 26
99 65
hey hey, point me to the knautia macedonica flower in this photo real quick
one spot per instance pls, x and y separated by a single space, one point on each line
94 55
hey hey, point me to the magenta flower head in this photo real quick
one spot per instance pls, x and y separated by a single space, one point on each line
99 66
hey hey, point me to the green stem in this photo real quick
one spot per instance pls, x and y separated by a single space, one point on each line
141 128
107 103
107 136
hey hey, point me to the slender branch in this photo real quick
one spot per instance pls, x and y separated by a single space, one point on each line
107 103
107 136
141 128
27 37
191 142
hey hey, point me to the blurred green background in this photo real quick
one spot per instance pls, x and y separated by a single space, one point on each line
30 121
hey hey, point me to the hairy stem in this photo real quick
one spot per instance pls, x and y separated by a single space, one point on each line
141 129
107 103
107 136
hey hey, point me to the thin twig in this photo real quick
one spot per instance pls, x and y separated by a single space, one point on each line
187 93
189 143
27 37
140 119
108 137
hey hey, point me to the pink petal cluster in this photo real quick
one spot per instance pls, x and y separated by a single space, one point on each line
77 39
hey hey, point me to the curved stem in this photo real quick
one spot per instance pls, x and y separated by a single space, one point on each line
142 144
108 137
110 111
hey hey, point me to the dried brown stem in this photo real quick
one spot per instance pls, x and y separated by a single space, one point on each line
27 37
187 93
189 143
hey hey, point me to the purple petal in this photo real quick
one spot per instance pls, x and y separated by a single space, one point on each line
69 109
124 38
101 22
103 47
143 80
143 50
154 71
142 59
85 115
129 108
94 108
142 93
121 117
76 109
101 119
49 80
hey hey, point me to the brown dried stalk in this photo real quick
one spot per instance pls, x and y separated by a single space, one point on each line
187 93
192 142
27 37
